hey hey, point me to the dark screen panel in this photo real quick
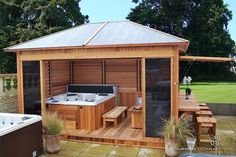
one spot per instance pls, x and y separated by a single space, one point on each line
157 95
31 86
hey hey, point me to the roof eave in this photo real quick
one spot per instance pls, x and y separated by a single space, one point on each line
183 46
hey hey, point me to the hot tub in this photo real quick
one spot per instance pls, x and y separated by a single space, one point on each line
80 99
20 135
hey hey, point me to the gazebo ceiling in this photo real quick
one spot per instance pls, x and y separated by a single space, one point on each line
117 33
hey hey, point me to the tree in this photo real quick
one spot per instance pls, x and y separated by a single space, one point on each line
22 20
203 22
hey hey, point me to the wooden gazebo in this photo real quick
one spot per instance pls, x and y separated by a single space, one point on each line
139 60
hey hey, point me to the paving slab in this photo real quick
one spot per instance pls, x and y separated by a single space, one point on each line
123 151
99 149
148 152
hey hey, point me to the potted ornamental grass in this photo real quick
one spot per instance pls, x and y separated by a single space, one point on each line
175 133
52 127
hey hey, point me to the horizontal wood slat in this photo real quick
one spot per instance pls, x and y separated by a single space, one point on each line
60 76
87 71
128 98
121 72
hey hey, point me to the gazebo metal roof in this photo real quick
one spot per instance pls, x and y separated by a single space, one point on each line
117 33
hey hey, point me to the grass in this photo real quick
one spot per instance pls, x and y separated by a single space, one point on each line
213 92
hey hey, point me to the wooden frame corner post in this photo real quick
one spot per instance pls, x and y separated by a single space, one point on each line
42 87
143 84
20 92
175 85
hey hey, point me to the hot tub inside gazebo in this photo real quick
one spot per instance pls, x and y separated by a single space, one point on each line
137 60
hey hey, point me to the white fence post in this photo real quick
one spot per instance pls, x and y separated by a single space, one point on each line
1 84
3 81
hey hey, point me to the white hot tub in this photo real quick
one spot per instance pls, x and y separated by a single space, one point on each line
10 122
82 99
20 135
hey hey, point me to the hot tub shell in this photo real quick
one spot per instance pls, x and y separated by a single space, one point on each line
21 136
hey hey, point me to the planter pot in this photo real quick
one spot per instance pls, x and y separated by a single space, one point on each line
52 143
170 148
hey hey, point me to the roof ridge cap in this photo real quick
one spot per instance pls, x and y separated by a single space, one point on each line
92 36
155 30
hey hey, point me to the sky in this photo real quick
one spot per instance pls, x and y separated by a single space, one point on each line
232 23
106 10
117 10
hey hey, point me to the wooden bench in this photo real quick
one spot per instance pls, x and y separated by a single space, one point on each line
204 113
114 114
205 108
206 122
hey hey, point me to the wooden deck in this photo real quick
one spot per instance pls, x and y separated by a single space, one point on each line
123 134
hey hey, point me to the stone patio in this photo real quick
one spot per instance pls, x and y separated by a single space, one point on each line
226 133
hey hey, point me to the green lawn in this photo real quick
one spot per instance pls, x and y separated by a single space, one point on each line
213 92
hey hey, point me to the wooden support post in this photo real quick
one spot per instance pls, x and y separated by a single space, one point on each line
143 86
20 91
175 85
42 86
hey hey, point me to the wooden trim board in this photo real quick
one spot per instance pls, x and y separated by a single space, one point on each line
133 52
205 59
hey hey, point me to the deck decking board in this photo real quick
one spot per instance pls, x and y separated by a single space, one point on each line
123 134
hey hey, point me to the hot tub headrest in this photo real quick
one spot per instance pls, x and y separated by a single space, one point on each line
90 88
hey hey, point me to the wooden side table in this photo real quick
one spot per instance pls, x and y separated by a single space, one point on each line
136 118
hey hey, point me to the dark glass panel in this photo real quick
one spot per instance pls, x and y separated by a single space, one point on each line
157 95
31 86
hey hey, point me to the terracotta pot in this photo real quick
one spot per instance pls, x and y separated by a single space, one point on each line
52 143
170 148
